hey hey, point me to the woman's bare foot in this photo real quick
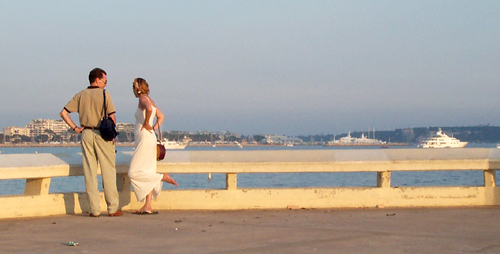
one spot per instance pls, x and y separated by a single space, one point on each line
147 204
144 208
168 179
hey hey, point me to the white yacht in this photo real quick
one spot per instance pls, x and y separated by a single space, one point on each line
173 144
441 140
349 140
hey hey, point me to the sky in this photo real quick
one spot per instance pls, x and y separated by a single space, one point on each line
259 67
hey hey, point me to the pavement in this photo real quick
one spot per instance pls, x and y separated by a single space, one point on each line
422 230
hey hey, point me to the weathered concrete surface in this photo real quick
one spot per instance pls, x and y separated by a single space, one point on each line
453 230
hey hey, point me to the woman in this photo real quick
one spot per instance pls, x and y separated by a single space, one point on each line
142 172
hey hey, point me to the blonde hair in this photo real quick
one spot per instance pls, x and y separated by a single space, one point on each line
141 86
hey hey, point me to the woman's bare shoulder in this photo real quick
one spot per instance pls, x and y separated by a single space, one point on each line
144 100
152 102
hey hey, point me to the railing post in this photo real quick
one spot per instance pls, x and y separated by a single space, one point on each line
231 181
490 178
384 179
37 186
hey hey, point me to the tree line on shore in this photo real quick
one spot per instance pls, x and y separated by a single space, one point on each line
473 134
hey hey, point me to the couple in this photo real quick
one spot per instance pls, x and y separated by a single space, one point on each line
147 184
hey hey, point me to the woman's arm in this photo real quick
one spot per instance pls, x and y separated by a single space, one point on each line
159 119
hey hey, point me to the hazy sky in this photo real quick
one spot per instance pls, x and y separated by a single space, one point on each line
255 67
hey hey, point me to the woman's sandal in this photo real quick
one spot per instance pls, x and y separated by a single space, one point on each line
145 212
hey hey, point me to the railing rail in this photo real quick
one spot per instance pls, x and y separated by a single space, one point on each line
39 169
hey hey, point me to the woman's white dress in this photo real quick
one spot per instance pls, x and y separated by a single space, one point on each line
142 171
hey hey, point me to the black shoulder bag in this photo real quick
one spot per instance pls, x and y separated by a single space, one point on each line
107 126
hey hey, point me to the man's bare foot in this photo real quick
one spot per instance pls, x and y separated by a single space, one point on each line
168 179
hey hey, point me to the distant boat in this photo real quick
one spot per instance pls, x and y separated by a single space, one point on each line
173 144
441 140
349 140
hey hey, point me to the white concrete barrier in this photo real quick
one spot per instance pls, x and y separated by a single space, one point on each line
39 169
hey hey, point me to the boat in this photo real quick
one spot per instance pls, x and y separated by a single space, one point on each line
441 140
353 141
173 144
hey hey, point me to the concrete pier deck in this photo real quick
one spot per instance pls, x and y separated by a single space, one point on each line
426 230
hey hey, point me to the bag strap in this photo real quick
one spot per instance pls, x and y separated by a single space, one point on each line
104 104
159 133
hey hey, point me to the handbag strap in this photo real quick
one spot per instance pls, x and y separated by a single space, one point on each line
159 133
104 104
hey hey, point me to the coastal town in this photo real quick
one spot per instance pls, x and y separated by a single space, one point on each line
48 132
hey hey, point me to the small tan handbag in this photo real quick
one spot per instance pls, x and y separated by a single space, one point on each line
160 148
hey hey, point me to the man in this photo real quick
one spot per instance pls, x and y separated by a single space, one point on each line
88 103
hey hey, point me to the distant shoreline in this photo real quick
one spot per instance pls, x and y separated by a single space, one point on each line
55 145
382 145
131 144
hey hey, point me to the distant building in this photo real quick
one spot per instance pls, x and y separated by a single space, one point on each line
11 131
223 135
228 134
125 127
40 126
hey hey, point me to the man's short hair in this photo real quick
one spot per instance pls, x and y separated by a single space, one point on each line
95 74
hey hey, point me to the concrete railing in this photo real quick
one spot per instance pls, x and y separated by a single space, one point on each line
39 169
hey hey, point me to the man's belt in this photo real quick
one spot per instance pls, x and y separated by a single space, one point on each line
90 128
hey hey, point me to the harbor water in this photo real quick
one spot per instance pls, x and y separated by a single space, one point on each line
268 180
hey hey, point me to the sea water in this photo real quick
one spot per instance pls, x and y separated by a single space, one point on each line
257 180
